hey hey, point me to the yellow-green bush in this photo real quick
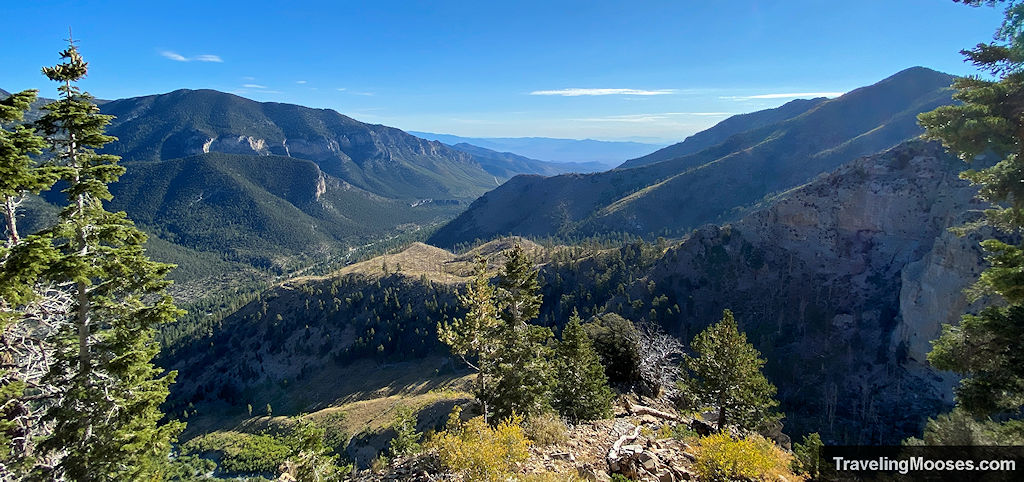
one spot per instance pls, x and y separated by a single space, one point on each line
478 452
722 458
546 429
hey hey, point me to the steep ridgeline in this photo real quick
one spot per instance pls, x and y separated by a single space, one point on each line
716 184
379 159
720 132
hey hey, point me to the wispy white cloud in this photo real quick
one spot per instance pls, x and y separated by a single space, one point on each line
344 89
580 92
249 78
789 95
174 56
254 86
198 58
653 117
259 91
300 81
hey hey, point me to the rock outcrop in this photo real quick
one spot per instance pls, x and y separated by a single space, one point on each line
841 284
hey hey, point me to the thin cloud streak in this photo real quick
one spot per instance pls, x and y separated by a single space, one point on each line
654 117
582 92
174 56
254 86
198 58
208 58
792 95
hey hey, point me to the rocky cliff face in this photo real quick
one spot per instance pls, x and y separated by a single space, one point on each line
380 159
841 283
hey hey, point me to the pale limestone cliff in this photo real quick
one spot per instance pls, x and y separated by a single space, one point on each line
841 283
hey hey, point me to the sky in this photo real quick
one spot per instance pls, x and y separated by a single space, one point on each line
650 70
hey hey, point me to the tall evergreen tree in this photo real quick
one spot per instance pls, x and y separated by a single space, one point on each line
22 260
474 338
522 367
581 387
518 288
106 420
985 348
726 373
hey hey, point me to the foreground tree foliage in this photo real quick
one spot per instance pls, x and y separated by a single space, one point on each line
510 355
475 337
105 420
581 387
523 371
726 374
985 348
24 316
617 341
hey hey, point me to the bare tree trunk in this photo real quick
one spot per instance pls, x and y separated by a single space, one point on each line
82 310
721 414
10 215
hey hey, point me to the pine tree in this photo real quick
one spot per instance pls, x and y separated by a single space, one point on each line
474 338
106 421
22 260
518 288
522 368
985 348
581 387
726 373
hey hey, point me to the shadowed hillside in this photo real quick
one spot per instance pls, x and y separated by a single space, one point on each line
716 184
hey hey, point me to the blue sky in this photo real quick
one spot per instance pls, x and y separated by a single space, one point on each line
576 69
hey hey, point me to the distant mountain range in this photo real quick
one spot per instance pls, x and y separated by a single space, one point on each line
714 176
595 155
507 164
379 159
214 176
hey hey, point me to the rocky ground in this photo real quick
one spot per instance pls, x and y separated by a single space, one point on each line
645 441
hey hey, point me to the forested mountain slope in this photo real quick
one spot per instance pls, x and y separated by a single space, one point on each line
380 159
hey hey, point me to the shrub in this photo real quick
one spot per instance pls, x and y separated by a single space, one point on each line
807 456
617 341
477 452
722 458
407 439
546 429
242 453
380 464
